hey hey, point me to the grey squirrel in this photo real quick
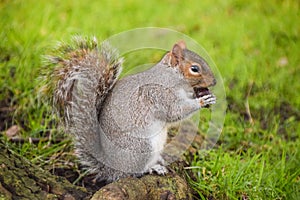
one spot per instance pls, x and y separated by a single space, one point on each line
120 126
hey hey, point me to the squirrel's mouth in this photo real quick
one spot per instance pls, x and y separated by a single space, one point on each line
200 92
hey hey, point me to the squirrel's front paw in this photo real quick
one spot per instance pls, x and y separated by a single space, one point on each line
159 169
207 100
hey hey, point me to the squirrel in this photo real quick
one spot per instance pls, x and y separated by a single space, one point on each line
120 125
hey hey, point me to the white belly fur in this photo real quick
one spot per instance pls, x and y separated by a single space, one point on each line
157 141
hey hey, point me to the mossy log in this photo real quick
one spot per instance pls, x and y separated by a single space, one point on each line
148 187
19 179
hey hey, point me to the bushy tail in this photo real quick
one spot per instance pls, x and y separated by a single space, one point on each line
79 75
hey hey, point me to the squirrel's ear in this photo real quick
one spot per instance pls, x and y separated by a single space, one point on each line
177 53
175 56
182 44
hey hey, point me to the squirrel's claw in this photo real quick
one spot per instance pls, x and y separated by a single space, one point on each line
207 100
159 169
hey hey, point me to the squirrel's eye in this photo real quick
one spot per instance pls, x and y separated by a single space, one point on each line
195 69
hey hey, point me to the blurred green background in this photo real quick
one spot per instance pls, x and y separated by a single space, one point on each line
255 45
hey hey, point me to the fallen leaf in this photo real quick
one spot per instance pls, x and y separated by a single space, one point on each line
13 131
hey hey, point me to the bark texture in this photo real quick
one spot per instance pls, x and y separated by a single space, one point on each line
149 187
19 179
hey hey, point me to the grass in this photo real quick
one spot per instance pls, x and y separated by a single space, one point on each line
255 45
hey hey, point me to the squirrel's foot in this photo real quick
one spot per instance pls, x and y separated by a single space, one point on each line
159 169
207 100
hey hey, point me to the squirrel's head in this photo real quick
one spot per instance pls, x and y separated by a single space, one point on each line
193 67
